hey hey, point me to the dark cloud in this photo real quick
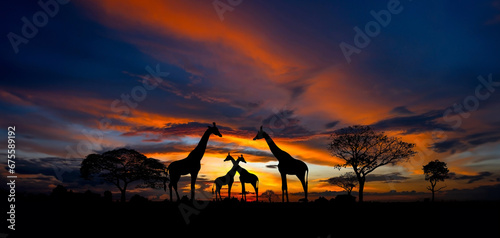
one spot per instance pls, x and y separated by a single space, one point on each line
263 155
285 124
51 166
470 178
296 89
173 129
402 110
272 166
487 192
331 124
160 147
176 130
429 122
466 142
424 122
451 145
483 137
40 175
386 178
248 129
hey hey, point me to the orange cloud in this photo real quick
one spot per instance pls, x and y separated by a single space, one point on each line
340 96
192 21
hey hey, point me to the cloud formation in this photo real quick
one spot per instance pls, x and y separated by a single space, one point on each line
470 178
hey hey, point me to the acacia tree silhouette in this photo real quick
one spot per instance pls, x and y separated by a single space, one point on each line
435 171
365 150
122 167
346 181
269 194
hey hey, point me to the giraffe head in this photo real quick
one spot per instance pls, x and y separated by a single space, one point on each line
240 158
260 134
229 157
214 130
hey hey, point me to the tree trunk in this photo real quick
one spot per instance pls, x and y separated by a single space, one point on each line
123 191
361 187
123 196
433 185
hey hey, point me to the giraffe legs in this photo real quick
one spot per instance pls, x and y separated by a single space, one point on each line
284 188
254 184
218 191
176 192
193 182
175 188
304 185
243 193
173 183
229 185
170 190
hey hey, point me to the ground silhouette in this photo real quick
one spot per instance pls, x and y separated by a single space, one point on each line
71 214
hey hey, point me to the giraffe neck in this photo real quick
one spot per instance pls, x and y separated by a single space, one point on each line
199 151
243 171
277 152
232 171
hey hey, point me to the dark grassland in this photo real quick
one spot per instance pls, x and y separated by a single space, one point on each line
48 216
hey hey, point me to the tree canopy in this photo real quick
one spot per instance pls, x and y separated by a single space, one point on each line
122 167
346 181
435 171
363 149
269 194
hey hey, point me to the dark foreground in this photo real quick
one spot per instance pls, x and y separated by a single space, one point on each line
49 217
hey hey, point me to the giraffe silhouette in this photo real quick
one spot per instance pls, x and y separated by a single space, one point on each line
287 165
227 179
247 177
191 164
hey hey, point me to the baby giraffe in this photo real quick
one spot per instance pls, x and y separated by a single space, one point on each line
227 179
247 177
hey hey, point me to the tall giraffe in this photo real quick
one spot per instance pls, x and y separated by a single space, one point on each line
191 164
287 165
226 179
247 177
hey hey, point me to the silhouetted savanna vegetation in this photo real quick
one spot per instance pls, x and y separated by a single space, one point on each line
364 150
64 213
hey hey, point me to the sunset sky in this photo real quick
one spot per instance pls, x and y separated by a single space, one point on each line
91 76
